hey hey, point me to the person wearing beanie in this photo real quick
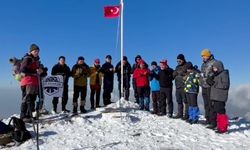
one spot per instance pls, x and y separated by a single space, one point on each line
125 58
80 58
166 88
206 53
179 73
141 75
136 65
206 71
181 57
80 72
95 84
34 47
192 89
31 68
220 84
126 77
61 68
108 80
155 86
108 57
153 63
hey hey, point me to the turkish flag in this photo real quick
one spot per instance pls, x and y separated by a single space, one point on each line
112 11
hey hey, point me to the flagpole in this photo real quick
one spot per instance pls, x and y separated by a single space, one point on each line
122 92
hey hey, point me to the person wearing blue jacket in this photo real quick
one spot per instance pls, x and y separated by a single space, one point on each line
155 86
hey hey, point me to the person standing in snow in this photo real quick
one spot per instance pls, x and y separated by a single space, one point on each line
141 75
80 73
220 84
30 69
179 73
95 84
135 66
155 87
108 81
192 89
61 68
206 71
166 88
126 76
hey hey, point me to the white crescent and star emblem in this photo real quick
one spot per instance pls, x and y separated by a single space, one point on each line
115 10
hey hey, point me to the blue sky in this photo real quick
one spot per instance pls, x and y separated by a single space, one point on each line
156 29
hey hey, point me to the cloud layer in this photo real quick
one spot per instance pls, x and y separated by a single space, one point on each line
238 103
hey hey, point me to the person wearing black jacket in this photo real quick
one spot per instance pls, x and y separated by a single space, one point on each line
166 88
126 76
179 73
108 71
61 68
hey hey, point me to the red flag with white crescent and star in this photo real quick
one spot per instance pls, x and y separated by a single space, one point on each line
111 11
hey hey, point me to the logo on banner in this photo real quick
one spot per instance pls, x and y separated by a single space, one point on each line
53 86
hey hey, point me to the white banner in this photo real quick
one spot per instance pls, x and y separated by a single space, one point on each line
53 86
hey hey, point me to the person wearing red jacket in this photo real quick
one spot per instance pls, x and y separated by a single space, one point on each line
141 76
30 69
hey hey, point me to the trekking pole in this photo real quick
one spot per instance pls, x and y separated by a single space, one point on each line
37 111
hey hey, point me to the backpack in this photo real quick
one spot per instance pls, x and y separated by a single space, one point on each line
16 65
4 128
20 133
5 134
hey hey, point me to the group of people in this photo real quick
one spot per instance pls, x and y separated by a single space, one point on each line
155 80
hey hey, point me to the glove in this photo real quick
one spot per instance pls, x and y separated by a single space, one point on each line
210 80
175 73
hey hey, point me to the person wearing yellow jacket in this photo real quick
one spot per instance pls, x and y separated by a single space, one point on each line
80 73
95 83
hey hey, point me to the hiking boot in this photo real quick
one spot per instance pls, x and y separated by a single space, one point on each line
177 117
65 110
211 126
83 111
153 112
194 122
161 114
53 112
189 121
170 115
75 113
43 111
185 117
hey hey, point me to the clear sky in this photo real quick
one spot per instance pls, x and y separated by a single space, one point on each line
156 29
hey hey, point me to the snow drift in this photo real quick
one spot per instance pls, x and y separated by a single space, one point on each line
126 127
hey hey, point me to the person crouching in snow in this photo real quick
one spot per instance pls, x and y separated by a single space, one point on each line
220 84
141 76
192 90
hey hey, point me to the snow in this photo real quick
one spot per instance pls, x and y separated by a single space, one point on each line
126 127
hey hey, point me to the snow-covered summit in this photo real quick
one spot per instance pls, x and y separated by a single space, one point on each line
122 126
